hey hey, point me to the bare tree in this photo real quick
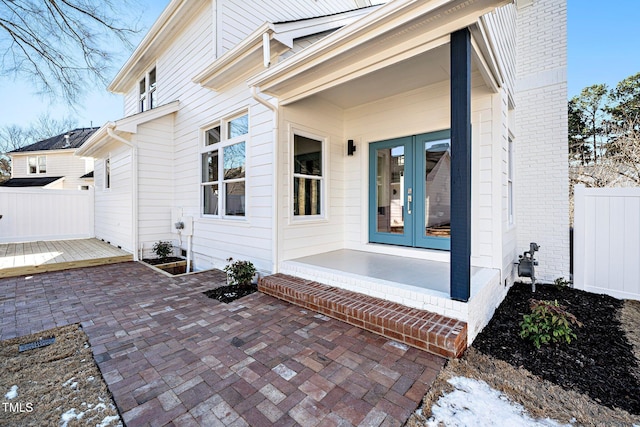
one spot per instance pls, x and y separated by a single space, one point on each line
621 166
13 137
61 45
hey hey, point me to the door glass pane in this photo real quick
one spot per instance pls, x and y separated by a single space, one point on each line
390 190
437 203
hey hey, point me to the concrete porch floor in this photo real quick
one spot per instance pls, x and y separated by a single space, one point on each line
18 259
422 275
172 356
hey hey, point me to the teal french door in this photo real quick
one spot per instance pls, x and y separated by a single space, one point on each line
410 191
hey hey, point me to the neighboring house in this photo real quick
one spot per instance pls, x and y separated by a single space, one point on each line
433 130
51 163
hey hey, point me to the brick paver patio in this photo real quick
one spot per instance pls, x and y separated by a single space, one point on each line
172 356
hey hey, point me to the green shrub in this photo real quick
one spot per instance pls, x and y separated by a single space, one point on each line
548 322
239 272
162 249
561 283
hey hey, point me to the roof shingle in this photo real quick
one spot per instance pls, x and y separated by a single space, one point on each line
77 137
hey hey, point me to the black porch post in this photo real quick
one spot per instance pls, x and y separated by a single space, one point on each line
460 267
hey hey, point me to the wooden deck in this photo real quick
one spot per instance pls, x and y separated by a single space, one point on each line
20 259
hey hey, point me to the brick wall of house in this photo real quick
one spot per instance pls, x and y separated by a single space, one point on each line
541 180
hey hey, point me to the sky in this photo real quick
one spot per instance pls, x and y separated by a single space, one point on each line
602 48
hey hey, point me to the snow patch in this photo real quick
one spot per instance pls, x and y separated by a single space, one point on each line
70 383
12 393
69 416
398 345
474 403
107 420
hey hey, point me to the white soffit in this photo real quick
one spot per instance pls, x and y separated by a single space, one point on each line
395 32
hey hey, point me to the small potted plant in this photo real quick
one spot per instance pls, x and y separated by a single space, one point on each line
240 273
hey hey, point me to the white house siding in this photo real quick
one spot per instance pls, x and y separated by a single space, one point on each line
541 186
59 163
215 239
415 112
113 210
155 178
500 27
306 236
501 31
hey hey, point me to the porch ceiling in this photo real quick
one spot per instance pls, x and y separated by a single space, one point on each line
413 73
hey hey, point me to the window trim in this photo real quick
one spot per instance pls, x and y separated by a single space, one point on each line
37 158
106 182
324 177
221 181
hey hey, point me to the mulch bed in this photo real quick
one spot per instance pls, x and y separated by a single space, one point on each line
156 261
230 293
599 363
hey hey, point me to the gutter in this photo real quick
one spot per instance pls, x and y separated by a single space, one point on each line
134 190
275 211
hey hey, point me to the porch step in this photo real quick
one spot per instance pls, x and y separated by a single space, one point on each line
418 328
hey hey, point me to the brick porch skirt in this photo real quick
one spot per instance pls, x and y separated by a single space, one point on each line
422 329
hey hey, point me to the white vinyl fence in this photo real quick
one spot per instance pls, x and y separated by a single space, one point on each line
606 245
32 214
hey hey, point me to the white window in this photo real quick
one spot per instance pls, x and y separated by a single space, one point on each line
224 162
37 164
308 179
147 91
510 182
107 173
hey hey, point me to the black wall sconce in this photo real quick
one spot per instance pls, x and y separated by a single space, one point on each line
351 147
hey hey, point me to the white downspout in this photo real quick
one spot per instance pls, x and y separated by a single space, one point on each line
275 211
134 190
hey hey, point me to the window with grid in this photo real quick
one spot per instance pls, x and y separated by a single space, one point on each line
224 167
37 164
147 91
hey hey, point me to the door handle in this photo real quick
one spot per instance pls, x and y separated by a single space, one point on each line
409 200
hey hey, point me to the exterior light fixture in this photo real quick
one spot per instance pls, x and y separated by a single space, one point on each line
351 147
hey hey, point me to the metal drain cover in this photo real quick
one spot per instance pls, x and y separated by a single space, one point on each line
36 344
